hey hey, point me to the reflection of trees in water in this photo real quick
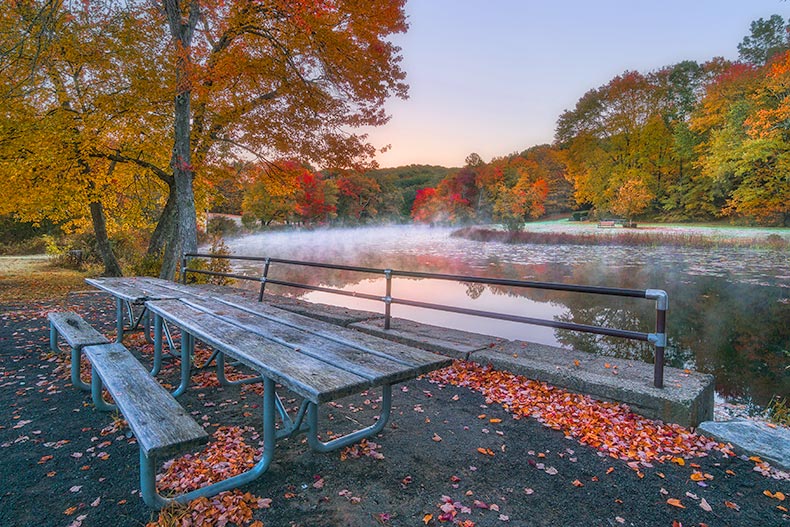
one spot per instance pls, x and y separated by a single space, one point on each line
738 332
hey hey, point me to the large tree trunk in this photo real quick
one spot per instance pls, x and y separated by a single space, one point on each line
111 266
182 24
165 236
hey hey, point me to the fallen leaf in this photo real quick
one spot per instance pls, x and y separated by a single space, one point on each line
705 505
427 518
732 505
436 437
577 483
676 503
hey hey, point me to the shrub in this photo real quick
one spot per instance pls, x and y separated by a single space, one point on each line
222 226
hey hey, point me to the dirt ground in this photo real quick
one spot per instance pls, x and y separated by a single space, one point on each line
63 463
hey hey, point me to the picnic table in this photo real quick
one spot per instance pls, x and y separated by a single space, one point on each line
317 360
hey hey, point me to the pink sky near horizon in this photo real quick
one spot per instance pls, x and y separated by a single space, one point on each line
492 77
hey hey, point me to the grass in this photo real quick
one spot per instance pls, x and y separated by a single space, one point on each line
29 278
625 237
778 411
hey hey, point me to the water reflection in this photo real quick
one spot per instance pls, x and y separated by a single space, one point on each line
729 308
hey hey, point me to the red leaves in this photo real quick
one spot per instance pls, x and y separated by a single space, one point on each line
611 428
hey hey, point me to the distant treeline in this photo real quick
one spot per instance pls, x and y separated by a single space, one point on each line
688 141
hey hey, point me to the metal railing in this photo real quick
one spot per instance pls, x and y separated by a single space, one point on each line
658 338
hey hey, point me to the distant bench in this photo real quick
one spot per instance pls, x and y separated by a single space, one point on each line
608 224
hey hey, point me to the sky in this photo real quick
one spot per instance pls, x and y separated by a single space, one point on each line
493 76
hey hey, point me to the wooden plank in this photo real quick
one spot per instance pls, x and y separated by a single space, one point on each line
377 368
75 330
162 427
311 378
421 360
134 289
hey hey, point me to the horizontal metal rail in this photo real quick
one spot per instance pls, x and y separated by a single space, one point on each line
658 339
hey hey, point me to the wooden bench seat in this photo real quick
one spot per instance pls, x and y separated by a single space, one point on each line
160 424
77 334
162 427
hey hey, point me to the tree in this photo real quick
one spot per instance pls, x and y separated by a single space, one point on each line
270 78
632 198
358 196
766 39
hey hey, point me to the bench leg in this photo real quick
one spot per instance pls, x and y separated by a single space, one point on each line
223 381
76 380
148 464
187 349
53 338
319 446
98 400
118 320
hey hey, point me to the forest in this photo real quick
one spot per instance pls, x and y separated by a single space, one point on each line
264 101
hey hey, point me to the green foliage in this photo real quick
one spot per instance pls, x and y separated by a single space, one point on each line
222 226
214 265
766 39
778 410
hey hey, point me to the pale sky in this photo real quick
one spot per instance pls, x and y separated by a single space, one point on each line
493 76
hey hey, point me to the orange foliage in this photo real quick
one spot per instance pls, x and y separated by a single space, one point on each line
609 427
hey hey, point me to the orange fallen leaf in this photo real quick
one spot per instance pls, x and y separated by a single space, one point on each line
44 459
697 476
732 505
783 509
427 518
576 362
577 483
676 503
495 421
610 470
70 511
679 460
755 459
436 437
776 495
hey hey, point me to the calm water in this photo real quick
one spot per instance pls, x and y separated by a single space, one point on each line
729 309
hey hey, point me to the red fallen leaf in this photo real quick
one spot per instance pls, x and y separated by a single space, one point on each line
676 503
480 504
732 505
676 523
577 483
455 479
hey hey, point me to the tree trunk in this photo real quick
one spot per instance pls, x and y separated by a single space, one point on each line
111 266
165 236
182 29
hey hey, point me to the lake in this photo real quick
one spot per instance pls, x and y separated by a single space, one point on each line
729 308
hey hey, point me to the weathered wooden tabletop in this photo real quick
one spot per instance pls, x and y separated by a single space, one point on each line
317 360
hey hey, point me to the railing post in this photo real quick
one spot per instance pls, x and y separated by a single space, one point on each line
388 298
263 278
184 269
660 336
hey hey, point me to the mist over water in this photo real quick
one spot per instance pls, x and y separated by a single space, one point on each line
729 309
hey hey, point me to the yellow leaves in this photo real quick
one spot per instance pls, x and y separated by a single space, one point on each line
675 503
679 461
775 495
